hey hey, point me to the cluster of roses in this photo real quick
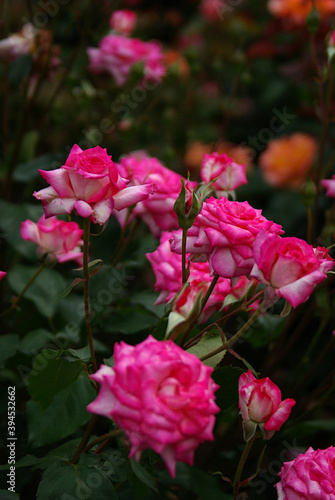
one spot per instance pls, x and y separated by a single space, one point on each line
159 394
117 52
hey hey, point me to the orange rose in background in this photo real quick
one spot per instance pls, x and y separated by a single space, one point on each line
297 10
286 160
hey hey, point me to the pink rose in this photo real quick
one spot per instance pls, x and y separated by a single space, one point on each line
161 396
167 268
61 240
310 476
158 210
117 55
230 174
224 233
329 185
261 405
2 274
89 183
289 266
123 21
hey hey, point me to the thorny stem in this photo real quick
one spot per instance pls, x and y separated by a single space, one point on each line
237 478
86 290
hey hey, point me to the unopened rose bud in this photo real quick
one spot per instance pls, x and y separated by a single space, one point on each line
187 206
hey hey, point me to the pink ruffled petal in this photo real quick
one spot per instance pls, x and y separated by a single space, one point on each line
29 231
280 416
59 180
102 211
298 292
132 195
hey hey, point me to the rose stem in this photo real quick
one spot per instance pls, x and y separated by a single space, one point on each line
237 478
87 434
105 437
183 256
86 290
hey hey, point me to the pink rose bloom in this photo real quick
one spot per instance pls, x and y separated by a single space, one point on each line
224 233
310 476
123 21
329 185
161 396
230 174
290 267
261 405
167 268
117 55
89 183
157 211
2 274
61 240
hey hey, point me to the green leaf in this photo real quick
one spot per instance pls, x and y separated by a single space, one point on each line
66 413
27 461
143 475
130 320
94 267
44 289
73 482
161 327
28 171
83 354
8 346
208 343
56 374
68 289
62 453
34 341
227 378
114 465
